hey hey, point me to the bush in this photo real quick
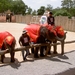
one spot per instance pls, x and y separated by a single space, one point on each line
63 13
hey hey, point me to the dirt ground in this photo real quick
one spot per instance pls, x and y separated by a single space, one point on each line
16 29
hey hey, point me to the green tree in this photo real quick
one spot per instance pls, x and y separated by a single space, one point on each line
49 7
67 4
34 12
29 10
19 7
73 3
5 5
41 10
63 13
16 6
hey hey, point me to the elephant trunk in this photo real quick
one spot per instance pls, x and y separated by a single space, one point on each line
3 51
61 39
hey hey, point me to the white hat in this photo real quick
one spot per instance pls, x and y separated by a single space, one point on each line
24 31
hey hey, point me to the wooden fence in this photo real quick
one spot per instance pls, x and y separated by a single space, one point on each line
3 18
35 45
65 22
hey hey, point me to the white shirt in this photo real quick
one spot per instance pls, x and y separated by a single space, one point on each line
25 40
43 20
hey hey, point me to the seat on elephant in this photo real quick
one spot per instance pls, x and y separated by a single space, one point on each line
57 30
33 31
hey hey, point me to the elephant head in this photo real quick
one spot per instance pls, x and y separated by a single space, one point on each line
56 34
8 44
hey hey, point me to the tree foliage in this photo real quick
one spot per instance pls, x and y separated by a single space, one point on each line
29 10
63 13
19 7
34 12
69 5
49 7
16 6
5 5
41 10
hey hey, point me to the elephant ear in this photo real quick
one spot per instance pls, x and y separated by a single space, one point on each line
59 31
9 39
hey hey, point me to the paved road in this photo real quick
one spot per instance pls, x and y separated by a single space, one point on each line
50 65
53 65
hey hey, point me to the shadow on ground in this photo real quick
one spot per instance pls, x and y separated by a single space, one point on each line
55 58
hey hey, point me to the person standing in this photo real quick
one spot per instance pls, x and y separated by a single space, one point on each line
50 19
24 40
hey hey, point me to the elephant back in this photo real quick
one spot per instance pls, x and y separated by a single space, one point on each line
3 36
33 31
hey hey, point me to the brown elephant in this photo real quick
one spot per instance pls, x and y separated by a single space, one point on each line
39 34
7 42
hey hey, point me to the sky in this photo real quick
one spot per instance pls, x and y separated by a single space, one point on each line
36 4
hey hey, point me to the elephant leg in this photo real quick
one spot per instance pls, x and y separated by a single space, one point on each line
2 58
48 50
62 47
42 51
12 56
55 48
32 50
36 52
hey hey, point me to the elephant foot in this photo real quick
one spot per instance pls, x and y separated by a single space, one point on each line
42 55
2 58
62 53
36 56
12 61
2 61
55 52
32 50
49 53
24 59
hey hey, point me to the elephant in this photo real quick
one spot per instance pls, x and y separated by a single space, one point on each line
7 42
42 33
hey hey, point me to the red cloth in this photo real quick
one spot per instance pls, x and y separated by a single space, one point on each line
9 39
6 36
59 31
51 28
33 31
